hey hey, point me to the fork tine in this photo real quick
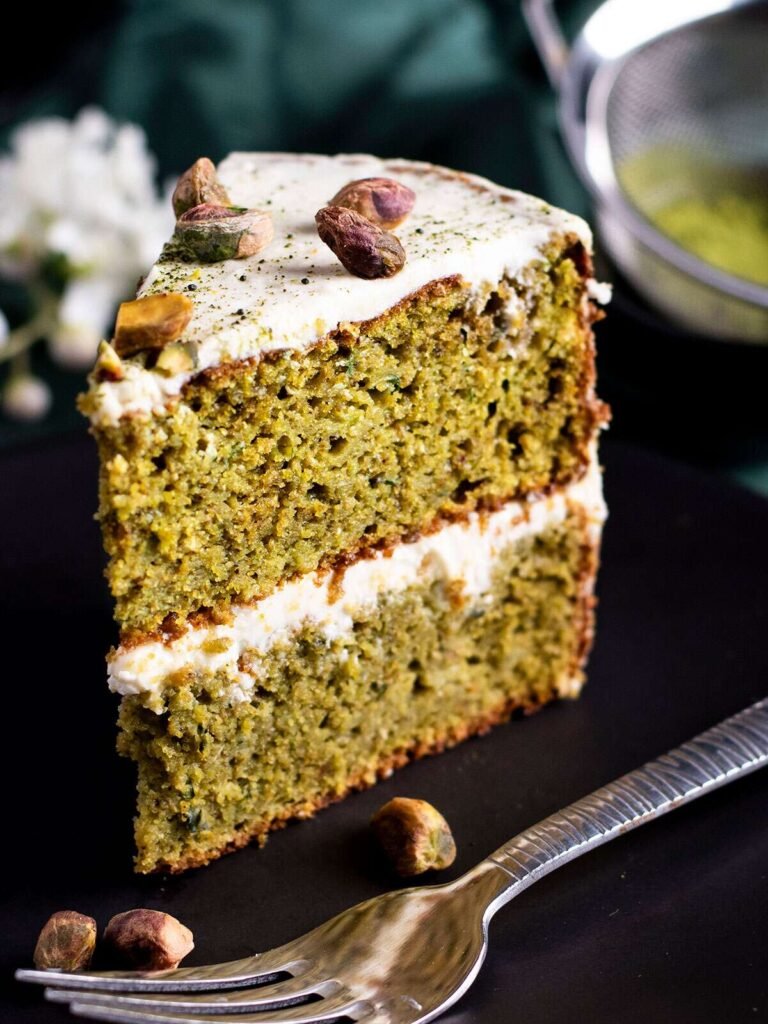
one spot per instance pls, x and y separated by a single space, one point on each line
261 968
314 1013
265 997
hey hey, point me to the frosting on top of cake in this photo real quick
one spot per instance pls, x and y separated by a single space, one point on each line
296 291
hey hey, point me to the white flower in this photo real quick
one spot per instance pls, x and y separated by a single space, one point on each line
26 398
67 236
83 190
84 317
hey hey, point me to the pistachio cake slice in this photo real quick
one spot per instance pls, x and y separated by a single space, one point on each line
349 486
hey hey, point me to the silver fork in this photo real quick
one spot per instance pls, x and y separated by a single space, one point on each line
406 956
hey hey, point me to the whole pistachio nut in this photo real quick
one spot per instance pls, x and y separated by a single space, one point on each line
362 247
384 201
66 942
151 322
414 835
147 940
199 184
211 233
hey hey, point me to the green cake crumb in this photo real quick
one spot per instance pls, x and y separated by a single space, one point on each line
420 671
432 410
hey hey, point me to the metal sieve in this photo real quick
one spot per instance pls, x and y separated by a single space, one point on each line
659 101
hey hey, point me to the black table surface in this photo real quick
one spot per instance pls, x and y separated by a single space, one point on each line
665 924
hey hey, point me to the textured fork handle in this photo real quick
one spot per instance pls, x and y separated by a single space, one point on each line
737 746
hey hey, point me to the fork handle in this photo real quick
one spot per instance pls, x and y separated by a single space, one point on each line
737 746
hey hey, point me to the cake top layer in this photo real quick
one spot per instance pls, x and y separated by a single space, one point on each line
296 291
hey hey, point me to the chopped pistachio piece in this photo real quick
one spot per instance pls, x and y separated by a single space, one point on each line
175 358
151 322
109 365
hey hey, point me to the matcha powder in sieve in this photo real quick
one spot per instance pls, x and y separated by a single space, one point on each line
719 214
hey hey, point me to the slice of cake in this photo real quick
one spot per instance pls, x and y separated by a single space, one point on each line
349 487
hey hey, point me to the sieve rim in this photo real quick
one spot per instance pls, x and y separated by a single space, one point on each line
584 83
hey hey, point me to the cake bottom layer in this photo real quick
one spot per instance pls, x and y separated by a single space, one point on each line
422 669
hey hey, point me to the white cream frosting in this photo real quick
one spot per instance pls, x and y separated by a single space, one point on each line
464 552
296 291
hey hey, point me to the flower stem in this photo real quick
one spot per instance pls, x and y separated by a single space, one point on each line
25 335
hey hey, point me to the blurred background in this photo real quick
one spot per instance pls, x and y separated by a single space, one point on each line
145 87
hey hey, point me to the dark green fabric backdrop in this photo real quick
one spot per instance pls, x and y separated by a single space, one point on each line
450 80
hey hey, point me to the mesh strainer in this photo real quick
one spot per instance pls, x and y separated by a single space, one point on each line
660 101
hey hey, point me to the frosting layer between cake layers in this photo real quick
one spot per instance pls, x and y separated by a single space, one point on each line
462 552
462 226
